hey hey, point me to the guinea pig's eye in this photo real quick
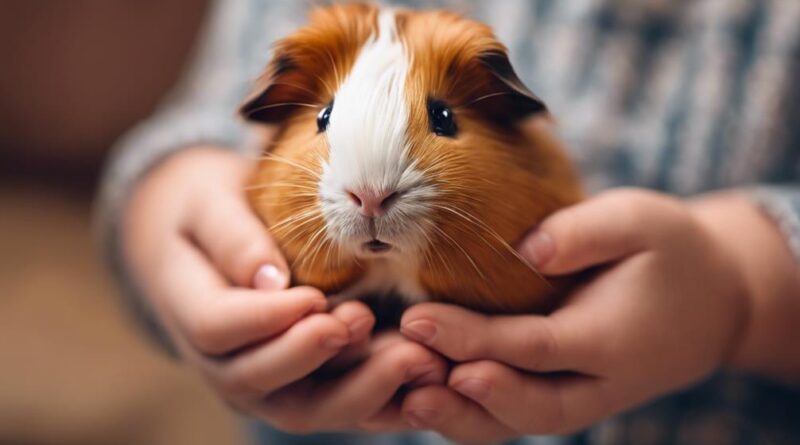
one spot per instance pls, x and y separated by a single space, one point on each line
441 117
324 117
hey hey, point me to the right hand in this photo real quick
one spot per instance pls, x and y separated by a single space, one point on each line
218 284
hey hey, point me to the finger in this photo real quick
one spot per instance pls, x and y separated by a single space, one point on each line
238 242
350 356
238 317
360 321
443 410
285 359
604 229
553 405
532 342
358 317
389 419
216 319
362 392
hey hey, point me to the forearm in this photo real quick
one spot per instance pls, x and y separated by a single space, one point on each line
768 343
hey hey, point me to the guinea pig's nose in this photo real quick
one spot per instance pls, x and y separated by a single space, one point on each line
371 204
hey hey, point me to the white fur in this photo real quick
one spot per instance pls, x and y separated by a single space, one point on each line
367 130
369 152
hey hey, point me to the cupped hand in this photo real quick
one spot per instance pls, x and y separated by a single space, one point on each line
667 309
217 282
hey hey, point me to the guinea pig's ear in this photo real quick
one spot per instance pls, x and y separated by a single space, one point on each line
279 93
506 97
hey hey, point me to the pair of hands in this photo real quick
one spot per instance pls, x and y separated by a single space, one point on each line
670 306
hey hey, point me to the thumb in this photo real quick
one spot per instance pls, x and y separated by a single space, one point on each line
238 243
598 231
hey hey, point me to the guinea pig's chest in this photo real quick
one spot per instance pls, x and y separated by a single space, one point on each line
407 160
387 276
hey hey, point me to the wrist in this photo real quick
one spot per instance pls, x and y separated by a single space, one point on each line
769 284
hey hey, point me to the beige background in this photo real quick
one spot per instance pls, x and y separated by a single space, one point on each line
73 369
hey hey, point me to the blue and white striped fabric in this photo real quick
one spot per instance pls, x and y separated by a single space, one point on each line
683 96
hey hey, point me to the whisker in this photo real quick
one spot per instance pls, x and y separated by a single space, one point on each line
429 252
263 186
286 196
315 253
487 96
299 87
274 157
280 184
304 217
496 236
456 245
284 104
301 256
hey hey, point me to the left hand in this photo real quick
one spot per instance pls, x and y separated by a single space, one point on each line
669 309
360 397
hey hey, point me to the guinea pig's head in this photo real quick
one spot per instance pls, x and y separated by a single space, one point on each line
406 137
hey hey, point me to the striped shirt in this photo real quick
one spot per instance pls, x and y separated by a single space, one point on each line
682 96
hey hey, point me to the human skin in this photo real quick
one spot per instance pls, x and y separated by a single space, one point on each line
688 287
217 283
685 288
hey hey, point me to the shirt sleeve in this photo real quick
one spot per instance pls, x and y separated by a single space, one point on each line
782 204
233 48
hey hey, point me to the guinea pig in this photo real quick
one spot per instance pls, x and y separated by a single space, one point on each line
408 160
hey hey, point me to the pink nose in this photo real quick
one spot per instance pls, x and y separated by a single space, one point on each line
371 204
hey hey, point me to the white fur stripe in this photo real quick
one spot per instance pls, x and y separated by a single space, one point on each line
367 131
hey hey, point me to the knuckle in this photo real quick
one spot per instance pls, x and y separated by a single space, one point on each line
465 346
468 347
488 371
572 236
629 211
242 256
406 354
539 346
320 326
635 206
203 333
241 382
326 324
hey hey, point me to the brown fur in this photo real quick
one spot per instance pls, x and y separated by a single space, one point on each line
502 174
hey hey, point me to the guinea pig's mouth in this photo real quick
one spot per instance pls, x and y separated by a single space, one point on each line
376 246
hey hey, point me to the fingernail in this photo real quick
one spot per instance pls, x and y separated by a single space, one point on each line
269 277
421 418
539 249
335 342
422 331
418 371
475 389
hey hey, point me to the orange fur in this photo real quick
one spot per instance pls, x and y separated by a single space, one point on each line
307 69
497 179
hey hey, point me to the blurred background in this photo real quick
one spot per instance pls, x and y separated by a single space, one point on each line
73 77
